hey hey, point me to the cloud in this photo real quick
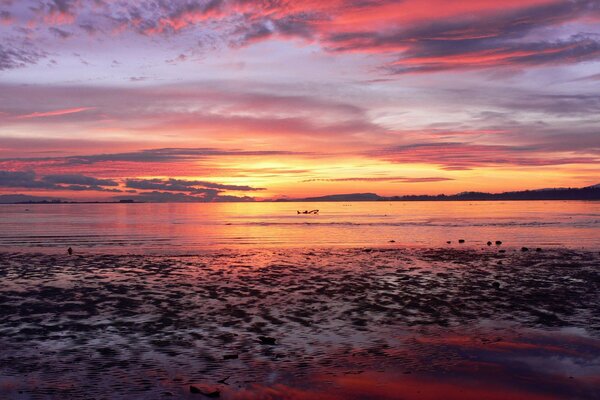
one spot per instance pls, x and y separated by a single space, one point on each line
168 155
20 179
183 185
447 35
59 12
75 182
471 41
76 179
60 33
168 197
462 156
54 113
15 56
593 77
398 179
5 17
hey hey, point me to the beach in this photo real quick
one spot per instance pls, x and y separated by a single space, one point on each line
330 323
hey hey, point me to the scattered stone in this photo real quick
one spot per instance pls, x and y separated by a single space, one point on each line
489 243
168 394
224 380
498 242
538 249
501 251
449 242
230 357
461 240
267 340
392 241
496 285
524 249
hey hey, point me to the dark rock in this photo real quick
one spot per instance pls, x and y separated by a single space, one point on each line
538 249
489 243
496 285
206 391
168 394
498 242
501 251
70 251
392 241
448 242
267 340
524 249
230 357
461 240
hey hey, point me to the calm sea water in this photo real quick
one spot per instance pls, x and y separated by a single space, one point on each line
185 228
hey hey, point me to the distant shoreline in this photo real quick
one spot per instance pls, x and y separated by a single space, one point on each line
286 201
561 194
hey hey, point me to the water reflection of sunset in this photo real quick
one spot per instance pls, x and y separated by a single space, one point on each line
188 227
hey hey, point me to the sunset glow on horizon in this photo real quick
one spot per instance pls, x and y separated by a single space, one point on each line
221 100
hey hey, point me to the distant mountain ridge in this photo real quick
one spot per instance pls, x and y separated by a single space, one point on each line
585 193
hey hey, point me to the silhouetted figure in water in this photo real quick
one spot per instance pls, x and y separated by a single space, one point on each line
70 251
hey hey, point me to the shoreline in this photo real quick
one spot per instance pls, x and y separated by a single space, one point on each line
199 251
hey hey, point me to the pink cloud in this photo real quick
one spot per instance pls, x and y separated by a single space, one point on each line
54 113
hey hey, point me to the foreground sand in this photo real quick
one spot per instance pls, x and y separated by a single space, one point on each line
346 323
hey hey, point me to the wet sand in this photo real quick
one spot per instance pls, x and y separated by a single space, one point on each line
381 323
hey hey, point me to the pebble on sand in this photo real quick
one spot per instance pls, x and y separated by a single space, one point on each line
489 243
449 241
498 242
461 240
392 241
496 285
524 249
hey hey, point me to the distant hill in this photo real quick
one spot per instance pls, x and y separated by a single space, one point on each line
24 198
346 197
585 193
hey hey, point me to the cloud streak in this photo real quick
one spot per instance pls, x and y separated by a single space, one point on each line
54 113
73 182
184 185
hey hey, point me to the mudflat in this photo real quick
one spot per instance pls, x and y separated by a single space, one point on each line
384 323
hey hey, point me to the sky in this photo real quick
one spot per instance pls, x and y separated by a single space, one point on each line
220 100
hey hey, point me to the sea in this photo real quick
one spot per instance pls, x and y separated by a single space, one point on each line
187 228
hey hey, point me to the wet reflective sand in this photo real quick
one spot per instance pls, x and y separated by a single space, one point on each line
302 324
